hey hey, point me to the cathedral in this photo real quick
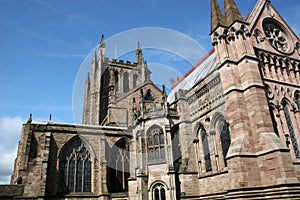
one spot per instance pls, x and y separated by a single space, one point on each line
229 129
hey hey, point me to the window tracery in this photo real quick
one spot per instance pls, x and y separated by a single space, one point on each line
75 168
156 144
276 35
291 129
159 192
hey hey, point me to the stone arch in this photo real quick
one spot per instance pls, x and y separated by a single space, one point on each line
220 130
215 119
83 140
197 127
157 182
296 96
203 145
76 166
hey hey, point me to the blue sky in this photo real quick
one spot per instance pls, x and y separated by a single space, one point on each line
44 42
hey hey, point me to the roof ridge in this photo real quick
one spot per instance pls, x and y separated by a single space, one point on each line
194 67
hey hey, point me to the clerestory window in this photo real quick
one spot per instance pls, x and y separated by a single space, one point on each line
125 82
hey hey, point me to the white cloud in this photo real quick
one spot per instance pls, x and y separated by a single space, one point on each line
10 132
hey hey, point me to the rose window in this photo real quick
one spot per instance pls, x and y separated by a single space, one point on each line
276 36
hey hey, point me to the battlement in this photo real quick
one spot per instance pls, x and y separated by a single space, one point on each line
122 63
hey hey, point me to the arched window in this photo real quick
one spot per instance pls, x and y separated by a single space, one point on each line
206 151
297 98
291 129
156 144
275 125
148 96
135 78
75 168
118 166
116 73
159 192
224 138
125 82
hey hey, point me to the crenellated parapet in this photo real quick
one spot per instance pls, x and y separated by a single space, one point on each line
121 63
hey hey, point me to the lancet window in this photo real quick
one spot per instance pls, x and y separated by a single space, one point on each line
291 129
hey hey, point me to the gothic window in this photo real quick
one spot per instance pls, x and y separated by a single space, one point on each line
275 125
116 80
148 96
224 138
206 151
156 144
291 129
135 78
297 97
75 168
159 192
118 166
33 148
125 82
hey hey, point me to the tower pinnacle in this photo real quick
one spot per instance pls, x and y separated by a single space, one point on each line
139 54
102 42
232 12
217 16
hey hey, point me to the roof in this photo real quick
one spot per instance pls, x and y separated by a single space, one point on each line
197 73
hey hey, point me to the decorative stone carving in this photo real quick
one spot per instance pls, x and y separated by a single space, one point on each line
259 36
269 91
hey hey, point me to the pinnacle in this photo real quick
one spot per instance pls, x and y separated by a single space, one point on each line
102 42
217 16
232 12
139 45
95 56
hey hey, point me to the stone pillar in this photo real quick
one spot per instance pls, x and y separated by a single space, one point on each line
45 150
103 170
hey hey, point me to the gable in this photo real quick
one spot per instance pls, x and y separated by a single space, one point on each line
271 32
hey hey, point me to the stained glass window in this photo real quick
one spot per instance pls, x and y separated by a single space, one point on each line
75 166
156 145
206 150
225 139
135 78
125 82
159 192
291 129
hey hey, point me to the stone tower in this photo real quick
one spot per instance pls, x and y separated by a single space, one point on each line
109 82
